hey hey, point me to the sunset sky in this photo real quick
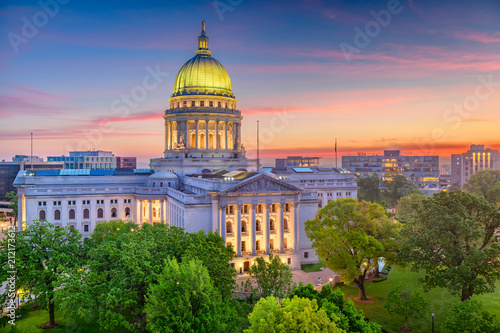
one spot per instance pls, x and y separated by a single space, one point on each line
425 80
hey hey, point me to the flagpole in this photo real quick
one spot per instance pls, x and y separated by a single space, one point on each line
336 163
258 156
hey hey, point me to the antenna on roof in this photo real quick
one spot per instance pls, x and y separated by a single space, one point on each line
258 156
31 151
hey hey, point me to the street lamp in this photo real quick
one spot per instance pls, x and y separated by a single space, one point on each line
433 322
17 292
331 282
241 268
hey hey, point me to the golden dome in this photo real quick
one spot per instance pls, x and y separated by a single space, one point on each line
202 74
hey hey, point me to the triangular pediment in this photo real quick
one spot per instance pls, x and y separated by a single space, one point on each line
261 184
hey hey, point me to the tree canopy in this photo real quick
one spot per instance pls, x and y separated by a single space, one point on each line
185 300
273 277
114 284
341 312
347 234
369 188
401 301
292 315
470 317
486 184
452 236
43 252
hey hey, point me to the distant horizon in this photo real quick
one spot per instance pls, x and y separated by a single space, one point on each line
421 77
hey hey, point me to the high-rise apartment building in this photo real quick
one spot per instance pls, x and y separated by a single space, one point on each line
475 159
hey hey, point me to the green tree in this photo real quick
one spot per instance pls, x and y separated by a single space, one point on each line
185 300
112 228
397 187
114 284
454 187
486 184
273 277
401 301
12 198
43 253
452 236
369 188
340 311
295 315
404 207
470 317
345 233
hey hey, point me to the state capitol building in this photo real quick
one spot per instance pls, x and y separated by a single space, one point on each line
203 181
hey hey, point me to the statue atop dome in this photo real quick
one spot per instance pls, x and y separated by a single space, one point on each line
203 27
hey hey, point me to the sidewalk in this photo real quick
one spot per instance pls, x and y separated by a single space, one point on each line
300 276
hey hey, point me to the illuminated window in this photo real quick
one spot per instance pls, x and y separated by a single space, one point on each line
202 103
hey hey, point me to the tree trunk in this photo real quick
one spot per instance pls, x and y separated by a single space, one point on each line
466 293
406 323
361 289
52 320
377 274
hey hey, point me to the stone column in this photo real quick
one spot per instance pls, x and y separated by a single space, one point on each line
253 208
162 211
170 136
141 213
197 133
150 202
282 227
225 133
20 214
166 135
217 134
222 215
206 135
237 232
296 228
267 231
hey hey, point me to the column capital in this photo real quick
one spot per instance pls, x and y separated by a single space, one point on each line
223 205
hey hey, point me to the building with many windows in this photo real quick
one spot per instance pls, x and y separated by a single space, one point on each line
91 159
475 159
203 181
10 169
422 171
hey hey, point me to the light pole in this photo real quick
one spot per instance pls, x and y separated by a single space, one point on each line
17 293
331 282
433 322
241 268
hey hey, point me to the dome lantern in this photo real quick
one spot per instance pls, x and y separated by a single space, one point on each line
203 42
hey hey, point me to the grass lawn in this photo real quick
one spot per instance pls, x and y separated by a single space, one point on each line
31 321
438 300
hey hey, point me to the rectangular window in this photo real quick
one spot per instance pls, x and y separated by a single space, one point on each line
211 104
202 103
86 228
243 246
192 103
218 104
306 254
271 244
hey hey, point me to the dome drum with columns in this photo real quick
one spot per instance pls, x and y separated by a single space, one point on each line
202 121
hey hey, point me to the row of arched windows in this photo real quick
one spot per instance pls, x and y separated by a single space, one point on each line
86 213
229 225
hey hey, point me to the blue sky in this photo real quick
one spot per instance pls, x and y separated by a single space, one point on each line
403 89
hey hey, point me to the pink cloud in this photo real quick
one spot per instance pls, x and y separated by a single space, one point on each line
478 37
